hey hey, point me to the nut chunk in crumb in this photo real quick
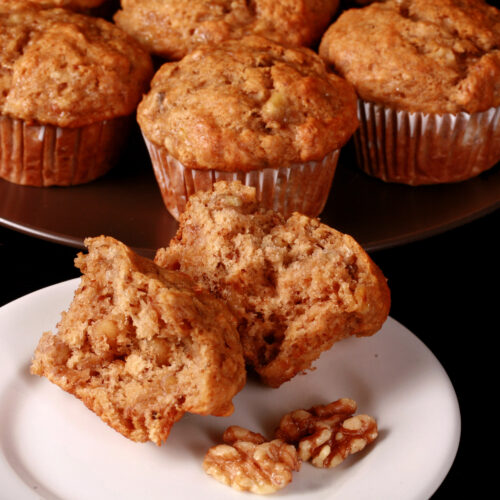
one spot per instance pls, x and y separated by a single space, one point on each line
141 345
248 463
327 435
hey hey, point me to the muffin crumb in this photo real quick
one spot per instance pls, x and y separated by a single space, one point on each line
140 345
295 285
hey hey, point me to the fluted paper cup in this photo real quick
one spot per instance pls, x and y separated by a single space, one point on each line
418 148
300 187
46 155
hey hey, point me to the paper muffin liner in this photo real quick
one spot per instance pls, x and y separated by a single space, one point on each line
46 155
300 187
419 148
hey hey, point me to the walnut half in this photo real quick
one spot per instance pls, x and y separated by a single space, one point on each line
247 462
327 435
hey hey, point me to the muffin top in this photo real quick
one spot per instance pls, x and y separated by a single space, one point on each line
248 104
434 56
172 28
67 69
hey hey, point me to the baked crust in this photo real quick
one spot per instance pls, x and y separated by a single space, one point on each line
172 28
248 104
141 345
435 56
296 286
66 69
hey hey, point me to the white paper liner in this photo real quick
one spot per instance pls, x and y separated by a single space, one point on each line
419 148
46 155
301 187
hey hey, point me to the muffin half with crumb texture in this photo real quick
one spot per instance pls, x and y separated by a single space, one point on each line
69 88
141 345
427 74
295 285
251 110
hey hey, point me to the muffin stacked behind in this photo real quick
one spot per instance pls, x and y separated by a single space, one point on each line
172 28
68 87
427 73
249 110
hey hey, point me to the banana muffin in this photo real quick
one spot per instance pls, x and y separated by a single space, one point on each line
249 110
427 74
140 345
172 28
296 286
69 86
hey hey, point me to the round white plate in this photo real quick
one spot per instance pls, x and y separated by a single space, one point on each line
53 447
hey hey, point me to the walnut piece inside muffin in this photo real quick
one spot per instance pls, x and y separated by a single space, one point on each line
296 286
141 345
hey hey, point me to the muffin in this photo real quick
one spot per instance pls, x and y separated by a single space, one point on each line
140 345
172 28
427 73
249 110
69 87
296 286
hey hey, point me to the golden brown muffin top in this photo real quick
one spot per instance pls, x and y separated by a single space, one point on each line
246 105
172 28
433 56
67 69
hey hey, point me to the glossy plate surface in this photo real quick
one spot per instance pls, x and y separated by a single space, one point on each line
126 204
53 447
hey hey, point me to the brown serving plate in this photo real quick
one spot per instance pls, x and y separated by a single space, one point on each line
127 204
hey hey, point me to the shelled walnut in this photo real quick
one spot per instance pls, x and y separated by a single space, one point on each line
246 462
326 435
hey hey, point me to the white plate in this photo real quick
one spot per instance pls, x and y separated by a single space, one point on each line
53 447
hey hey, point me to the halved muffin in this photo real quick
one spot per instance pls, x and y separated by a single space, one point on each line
141 345
295 285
